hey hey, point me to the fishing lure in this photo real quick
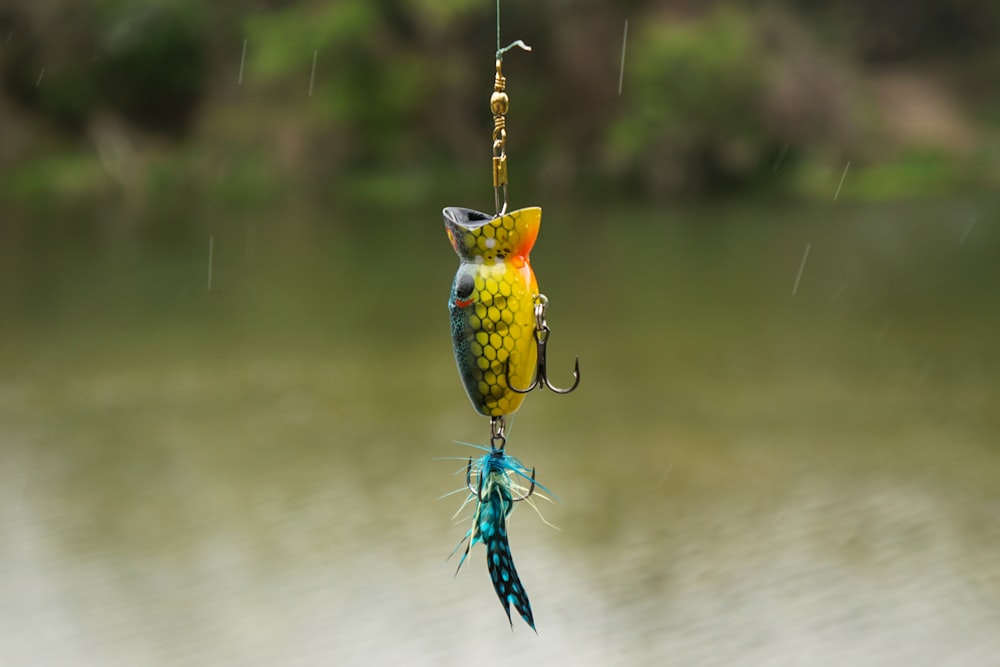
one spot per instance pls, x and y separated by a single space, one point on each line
499 335
493 483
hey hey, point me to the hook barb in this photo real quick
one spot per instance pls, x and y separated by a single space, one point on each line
468 478
477 489
576 380
541 379
533 385
531 489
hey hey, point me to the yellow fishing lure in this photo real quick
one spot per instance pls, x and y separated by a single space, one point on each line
499 335
492 305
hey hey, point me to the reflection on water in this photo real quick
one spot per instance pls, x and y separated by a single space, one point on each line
248 476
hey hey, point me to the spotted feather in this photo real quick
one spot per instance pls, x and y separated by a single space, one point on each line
495 473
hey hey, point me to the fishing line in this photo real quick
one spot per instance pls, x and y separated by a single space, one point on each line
517 42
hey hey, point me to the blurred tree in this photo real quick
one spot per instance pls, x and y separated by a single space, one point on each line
714 90
894 30
395 74
694 117
715 98
153 64
145 61
47 60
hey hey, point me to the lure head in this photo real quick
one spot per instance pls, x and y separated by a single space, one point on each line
480 238
492 305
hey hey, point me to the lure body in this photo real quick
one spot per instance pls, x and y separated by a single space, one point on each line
494 503
492 305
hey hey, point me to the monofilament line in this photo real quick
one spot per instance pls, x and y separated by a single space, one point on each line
40 75
243 58
211 252
621 72
842 177
968 230
839 292
663 479
802 266
312 76
781 158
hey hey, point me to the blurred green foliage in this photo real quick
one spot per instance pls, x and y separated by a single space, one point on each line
144 60
376 72
893 30
153 65
695 90
364 95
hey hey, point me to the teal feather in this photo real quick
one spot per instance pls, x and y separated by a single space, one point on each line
495 474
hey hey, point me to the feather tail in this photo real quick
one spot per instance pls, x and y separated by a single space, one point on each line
499 561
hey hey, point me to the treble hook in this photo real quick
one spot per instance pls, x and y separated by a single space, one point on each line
468 481
541 379
531 489
477 490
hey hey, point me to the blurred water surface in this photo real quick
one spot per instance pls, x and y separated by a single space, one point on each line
247 474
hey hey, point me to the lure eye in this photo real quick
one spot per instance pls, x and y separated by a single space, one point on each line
463 290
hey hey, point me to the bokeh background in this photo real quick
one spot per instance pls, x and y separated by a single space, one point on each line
228 401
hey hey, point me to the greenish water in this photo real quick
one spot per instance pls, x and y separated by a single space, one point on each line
247 475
